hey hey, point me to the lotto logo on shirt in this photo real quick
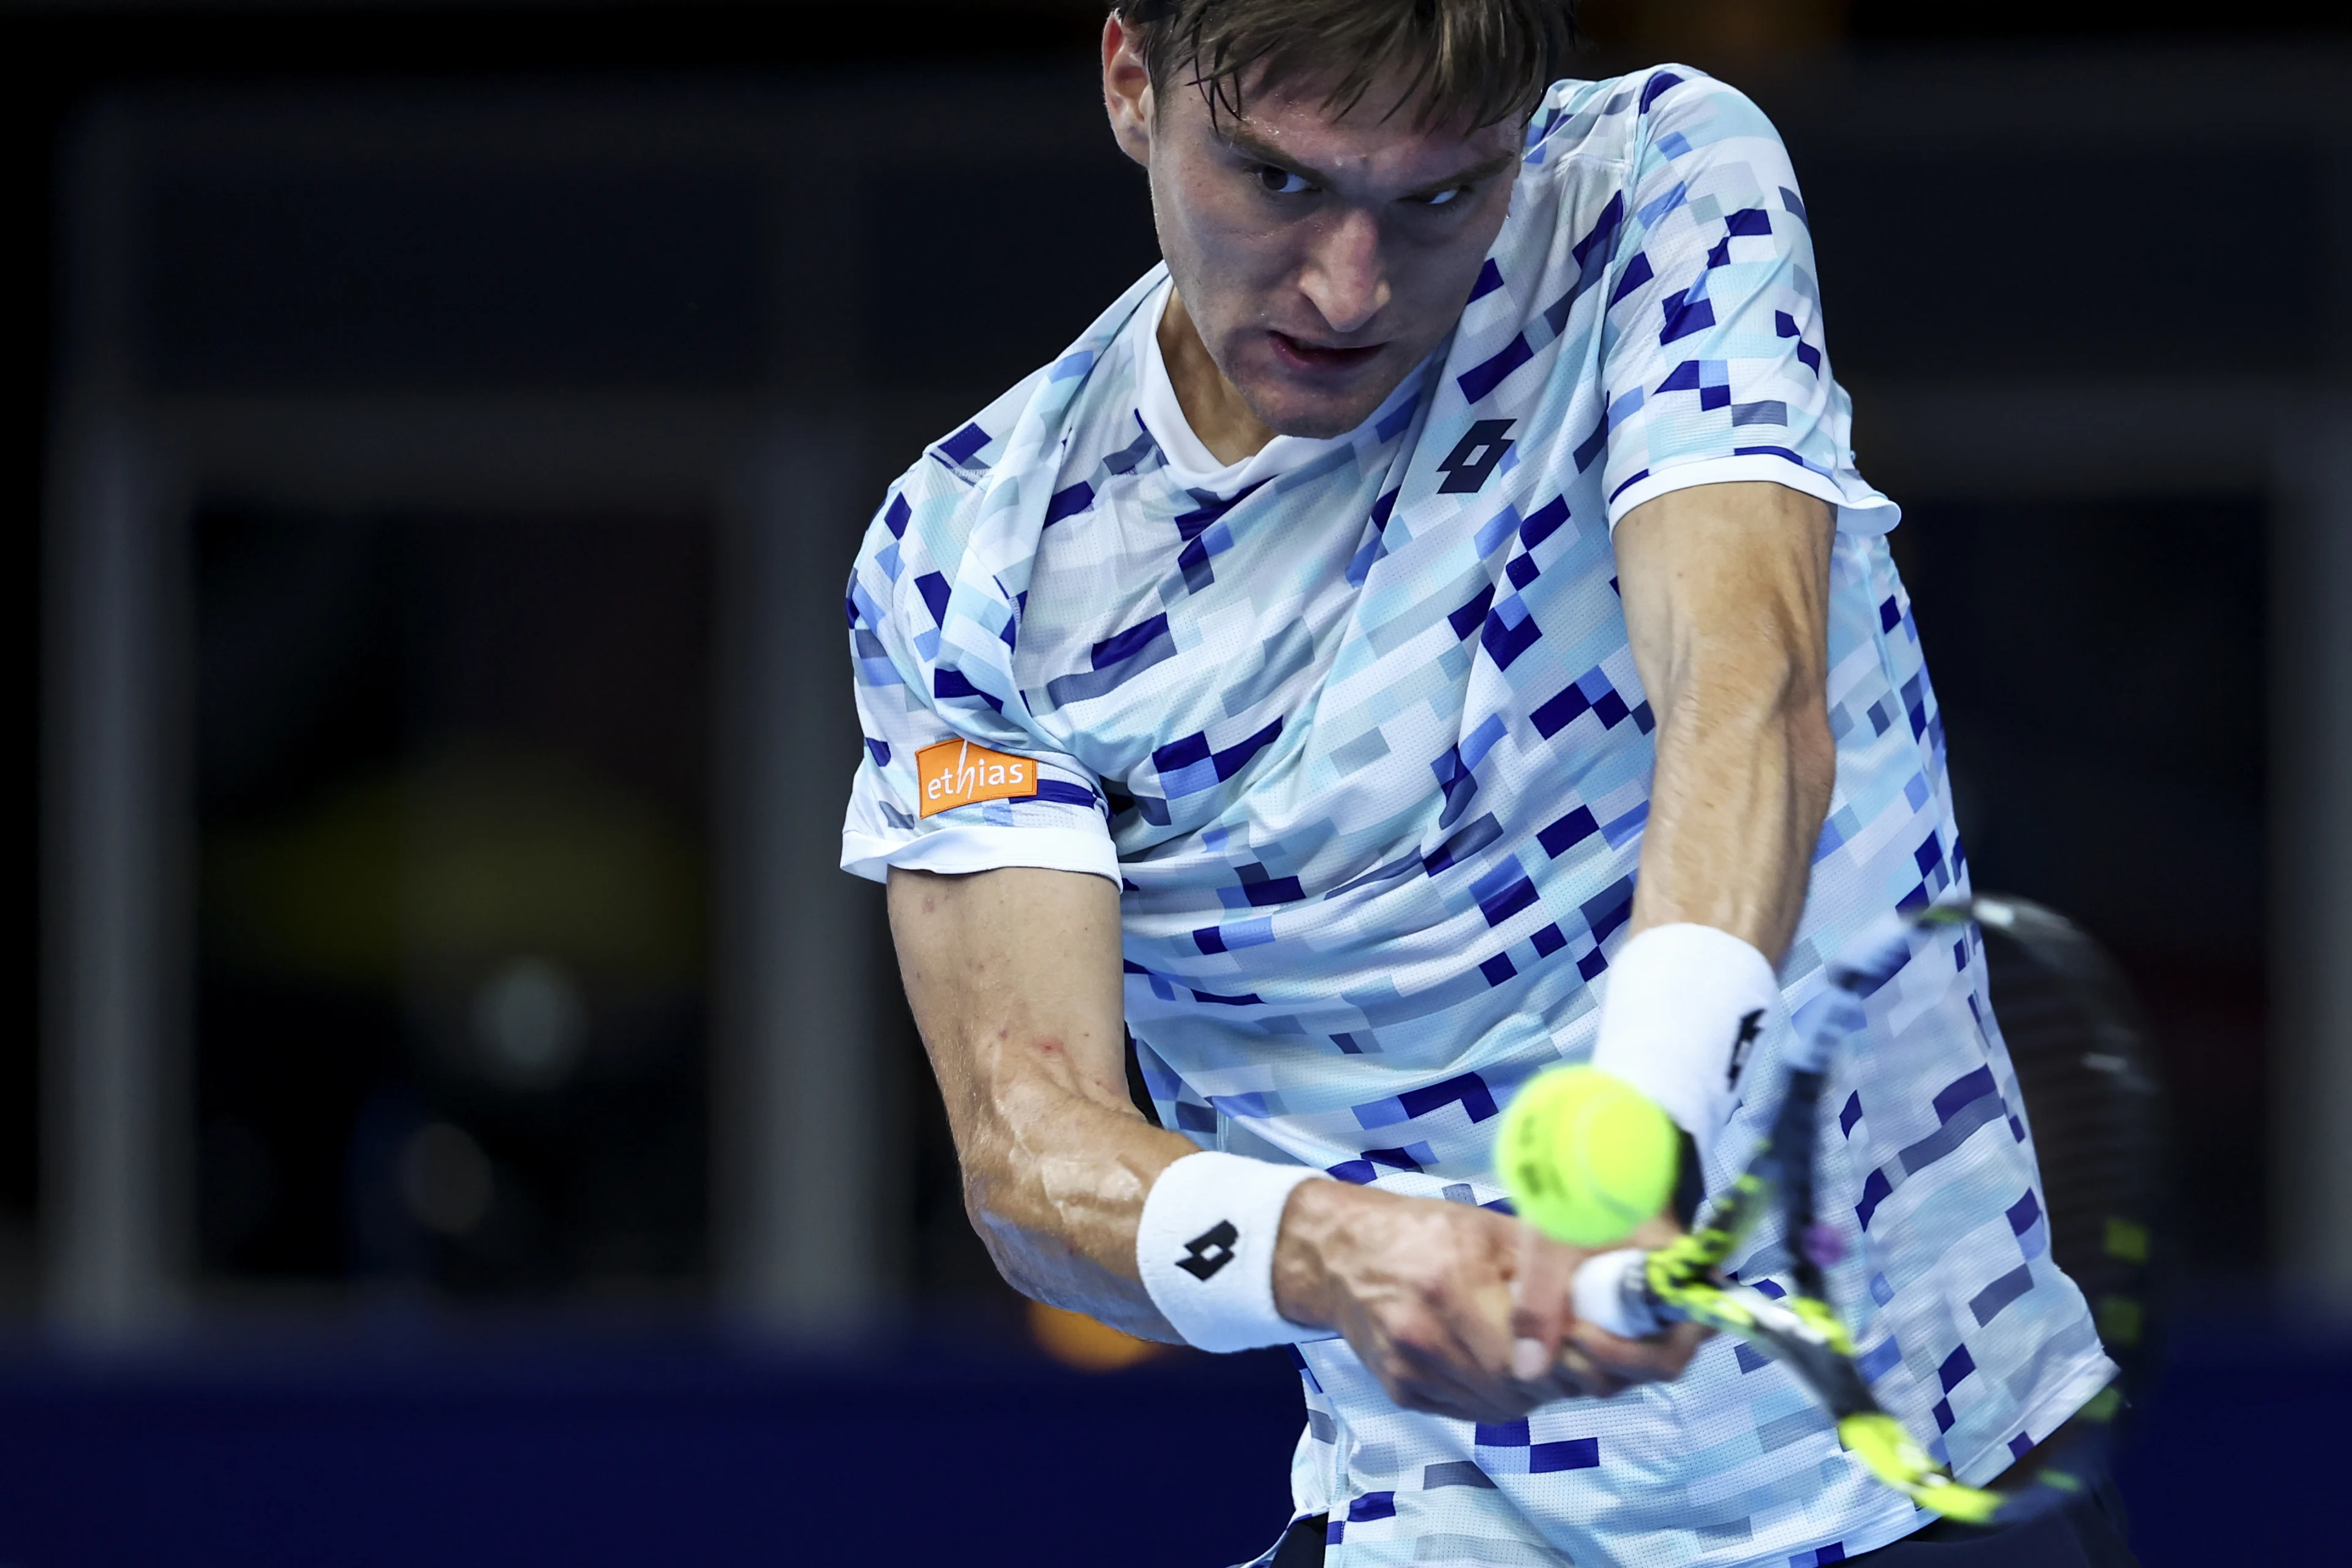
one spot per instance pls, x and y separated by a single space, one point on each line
957 773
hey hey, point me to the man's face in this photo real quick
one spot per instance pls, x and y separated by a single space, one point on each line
1320 259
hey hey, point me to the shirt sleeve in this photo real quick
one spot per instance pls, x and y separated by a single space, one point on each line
956 777
1712 358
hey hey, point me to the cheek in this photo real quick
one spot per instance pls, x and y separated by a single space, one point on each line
1208 222
1225 256
1176 216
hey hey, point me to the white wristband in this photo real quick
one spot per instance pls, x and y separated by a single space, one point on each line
1206 1249
1685 1008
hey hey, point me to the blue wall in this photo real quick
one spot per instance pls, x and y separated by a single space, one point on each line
2236 1457
589 1452
644 1456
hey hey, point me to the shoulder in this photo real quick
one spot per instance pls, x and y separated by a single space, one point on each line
938 497
1097 371
998 472
1661 112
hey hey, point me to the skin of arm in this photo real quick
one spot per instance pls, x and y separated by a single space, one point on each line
1312 253
1015 982
1014 979
1726 589
1727 602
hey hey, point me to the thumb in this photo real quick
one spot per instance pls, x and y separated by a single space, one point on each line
1540 1288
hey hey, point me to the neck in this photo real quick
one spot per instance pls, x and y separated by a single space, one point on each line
1212 405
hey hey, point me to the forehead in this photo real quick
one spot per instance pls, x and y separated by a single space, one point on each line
1383 134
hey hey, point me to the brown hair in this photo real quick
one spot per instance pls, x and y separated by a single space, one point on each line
1479 61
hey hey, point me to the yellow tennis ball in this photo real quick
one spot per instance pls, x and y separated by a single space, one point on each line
1585 1156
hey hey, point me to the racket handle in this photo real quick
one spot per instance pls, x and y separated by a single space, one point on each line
1612 1292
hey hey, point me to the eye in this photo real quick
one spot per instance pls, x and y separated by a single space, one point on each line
1277 182
1442 197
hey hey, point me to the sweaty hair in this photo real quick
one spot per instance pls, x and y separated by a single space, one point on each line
1478 62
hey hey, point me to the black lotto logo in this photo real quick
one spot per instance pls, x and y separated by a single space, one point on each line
1750 1025
1209 1251
1474 457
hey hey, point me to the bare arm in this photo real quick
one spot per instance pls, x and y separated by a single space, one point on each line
1727 601
1014 978
1725 591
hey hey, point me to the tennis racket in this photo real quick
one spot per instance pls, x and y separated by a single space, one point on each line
2094 1102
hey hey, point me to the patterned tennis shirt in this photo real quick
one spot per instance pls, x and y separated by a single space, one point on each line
1355 727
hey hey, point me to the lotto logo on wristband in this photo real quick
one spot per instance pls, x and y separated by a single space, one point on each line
1210 1251
1750 1025
1204 1249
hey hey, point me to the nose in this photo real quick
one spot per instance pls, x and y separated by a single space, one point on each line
1344 278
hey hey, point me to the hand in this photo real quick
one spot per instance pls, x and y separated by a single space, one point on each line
1457 1310
1589 1359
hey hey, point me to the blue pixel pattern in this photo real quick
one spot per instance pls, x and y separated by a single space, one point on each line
1364 745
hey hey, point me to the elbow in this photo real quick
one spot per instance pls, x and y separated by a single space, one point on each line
986 1208
989 1206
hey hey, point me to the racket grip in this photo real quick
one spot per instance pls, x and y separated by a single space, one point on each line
1612 1291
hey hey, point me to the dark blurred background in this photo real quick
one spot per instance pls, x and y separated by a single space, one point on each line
452 1106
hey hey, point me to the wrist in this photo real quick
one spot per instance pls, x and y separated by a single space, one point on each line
1686 1008
1206 1244
1305 1287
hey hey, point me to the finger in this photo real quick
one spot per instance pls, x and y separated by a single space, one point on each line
1416 1380
1485 1411
1485 1319
1542 1284
1654 1233
1586 1377
1445 1342
1462 1373
1450 1396
1485 1364
1658 1359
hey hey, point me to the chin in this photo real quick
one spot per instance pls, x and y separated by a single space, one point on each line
1317 404
1320 415
1320 427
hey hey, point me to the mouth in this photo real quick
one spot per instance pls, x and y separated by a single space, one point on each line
1300 355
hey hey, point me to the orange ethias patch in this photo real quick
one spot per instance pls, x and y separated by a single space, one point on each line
957 773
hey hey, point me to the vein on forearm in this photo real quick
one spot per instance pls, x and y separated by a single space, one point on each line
1053 1181
1741 787
1725 591
1014 980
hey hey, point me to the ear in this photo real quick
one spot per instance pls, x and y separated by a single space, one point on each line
1127 90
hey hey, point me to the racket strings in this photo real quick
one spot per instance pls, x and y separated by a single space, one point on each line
2097 1115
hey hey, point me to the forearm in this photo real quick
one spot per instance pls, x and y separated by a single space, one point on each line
1726 590
1055 1190
1014 980
1744 768
1727 594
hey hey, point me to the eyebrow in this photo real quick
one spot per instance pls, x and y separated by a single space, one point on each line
1249 146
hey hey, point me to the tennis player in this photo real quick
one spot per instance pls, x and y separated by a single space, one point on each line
1430 629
